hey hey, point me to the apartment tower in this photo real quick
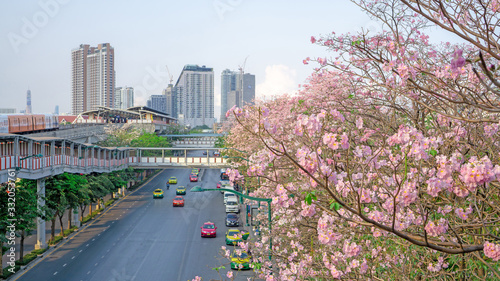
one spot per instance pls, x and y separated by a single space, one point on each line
195 95
93 77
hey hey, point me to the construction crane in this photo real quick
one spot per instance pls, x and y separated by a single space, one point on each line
170 75
241 68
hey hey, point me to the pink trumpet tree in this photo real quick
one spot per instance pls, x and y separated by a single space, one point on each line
385 165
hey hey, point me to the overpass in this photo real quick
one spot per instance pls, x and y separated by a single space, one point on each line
41 157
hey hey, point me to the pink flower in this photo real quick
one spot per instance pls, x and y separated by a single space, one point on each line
436 228
229 274
308 210
492 251
313 39
351 249
458 61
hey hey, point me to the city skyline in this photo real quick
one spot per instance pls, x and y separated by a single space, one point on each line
36 40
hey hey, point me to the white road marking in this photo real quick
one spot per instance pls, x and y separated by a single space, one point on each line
93 239
95 264
55 273
73 257
88 273
102 257
87 245
80 251
64 265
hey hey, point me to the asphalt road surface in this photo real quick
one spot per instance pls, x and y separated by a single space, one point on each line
142 238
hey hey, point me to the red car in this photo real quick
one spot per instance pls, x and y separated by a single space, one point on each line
193 177
208 230
178 201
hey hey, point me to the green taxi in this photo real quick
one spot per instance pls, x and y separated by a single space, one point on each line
233 237
181 190
240 260
158 193
172 180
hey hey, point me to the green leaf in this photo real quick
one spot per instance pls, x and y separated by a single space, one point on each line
270 165
433 152
301 102
308 199
351 96
335 206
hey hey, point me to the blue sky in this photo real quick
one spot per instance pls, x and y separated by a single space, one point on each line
36 39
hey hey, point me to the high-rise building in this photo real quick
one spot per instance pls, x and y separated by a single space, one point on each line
158 102
195 95
93 77
56 111
236 89
124 97
28 103
171 100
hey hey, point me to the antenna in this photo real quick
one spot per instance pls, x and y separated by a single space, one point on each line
241 68
170 75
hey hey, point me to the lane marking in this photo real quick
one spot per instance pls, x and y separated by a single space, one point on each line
64 265
93 222
88 273
80 251
55 273
73 257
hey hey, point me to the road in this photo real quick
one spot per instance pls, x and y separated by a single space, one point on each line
142 238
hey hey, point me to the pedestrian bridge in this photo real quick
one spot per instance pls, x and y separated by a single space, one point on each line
40 157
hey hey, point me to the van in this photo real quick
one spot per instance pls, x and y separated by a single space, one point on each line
228 195
232 205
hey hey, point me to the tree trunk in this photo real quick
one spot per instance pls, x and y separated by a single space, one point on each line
61 223
82 210
70 215
53 228
90 208
21 247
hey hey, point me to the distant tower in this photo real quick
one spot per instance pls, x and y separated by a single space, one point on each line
28 102
56 111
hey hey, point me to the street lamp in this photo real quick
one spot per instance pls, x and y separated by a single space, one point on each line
268 200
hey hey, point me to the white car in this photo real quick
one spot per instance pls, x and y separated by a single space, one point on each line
228 195
232 205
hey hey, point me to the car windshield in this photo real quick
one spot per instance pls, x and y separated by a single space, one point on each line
229 194
232 216
178 198
243 255
233 232
158 190
208 226
232 203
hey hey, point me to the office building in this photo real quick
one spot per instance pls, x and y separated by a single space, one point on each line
56 110
236 89
171 100
157 102
93 77
195 95
28 103
124 97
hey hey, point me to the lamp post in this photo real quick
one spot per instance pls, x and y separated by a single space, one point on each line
268 200
258 178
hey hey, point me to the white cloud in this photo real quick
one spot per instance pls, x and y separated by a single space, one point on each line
279 79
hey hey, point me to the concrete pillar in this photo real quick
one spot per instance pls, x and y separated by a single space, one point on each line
30 152
76 217
41 242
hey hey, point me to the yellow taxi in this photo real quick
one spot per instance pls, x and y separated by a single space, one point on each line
158 193
240 259
181 190
172 180
195 171
233 236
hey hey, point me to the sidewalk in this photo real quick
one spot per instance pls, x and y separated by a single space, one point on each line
30 240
